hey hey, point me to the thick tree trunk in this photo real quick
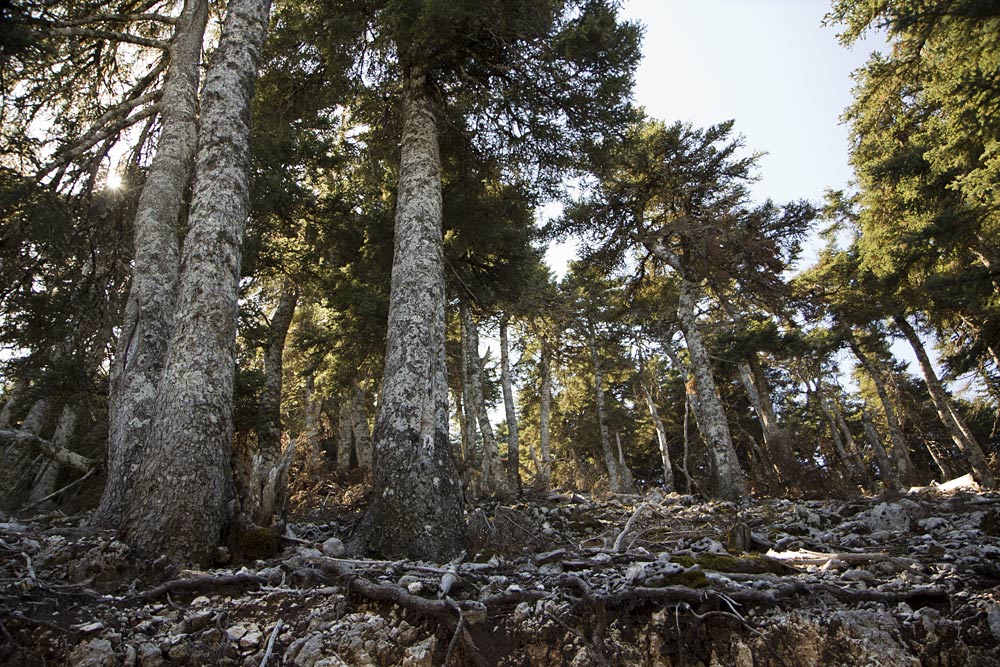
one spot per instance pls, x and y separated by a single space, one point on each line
513 443
416 511
269 407
610 460
142 345
544 412
729 480
902 471
178 505
949 416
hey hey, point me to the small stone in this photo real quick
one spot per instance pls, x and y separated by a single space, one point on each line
90 628
251 639
308 552
333 548
857 575
236 632
993 619
415 587
93 653
887 517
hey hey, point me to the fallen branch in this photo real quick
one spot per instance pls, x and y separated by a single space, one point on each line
55 452
201 581
628 526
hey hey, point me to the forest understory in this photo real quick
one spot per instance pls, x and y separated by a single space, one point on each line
554 579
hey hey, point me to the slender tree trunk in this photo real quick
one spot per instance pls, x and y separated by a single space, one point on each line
645 384
887 473
952 421
185 472
359 425
614 478
416 511
469 403
142 344
730 481
544 411
513 442
493 480
625 478
45 481
11 404
852 449
902 464
269 408
345 443
844 462
312 407
18 461
685 461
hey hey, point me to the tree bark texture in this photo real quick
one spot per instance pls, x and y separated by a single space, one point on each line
902 464
19 457
345 437
469 411
513 442
416 510
949 416
269 407
545 411
610 460
729 478
178 505
142 344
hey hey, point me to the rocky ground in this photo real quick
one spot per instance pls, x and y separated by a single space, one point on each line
558 580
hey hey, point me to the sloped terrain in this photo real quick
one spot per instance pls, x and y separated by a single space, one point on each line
560 579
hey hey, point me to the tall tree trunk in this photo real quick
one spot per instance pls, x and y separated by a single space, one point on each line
544 412
625 478
903 471
513 445
11 404
19 461
185 472
417 509
269 407
845 461
142 346
952 421
610 462
730 481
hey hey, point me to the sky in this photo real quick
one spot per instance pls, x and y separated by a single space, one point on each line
767 64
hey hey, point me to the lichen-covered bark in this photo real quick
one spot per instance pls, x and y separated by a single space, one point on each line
902 470
416 509
610 460
178 505
544 411
950 418
729 478
513 446
142 344
269 406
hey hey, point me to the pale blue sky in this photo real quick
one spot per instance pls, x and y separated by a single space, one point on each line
768 64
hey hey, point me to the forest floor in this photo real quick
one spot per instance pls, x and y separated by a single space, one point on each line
553 580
